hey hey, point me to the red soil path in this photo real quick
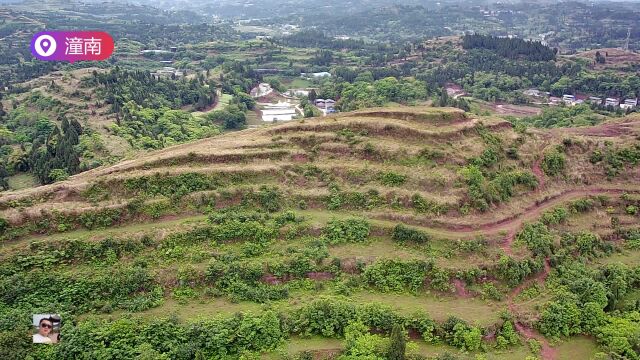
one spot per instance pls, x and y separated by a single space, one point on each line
461 291
514 222
546 351
508 241
537 171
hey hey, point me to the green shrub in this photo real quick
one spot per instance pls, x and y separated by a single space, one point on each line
171 186
4 225
483 192
556 216
582 205
58 175
403 234
515 271
422 205
396 276
269 198
490 292
351 230
537 238
507 336
553 163
392 179
100 219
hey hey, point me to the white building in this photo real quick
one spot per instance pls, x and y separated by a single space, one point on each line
278 114
168 72
568 99
611 102
154 51
315 75
279 105
533 92
263 89
298 92
282 111
629 104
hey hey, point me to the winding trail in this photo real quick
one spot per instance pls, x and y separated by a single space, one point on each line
539 174
546 351
511 224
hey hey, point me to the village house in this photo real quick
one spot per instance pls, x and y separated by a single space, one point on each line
168 72
629 104
595 100
533 92
555 100
568 99
154 51
282 111
611 102
325 103
315 75
263 89
298 92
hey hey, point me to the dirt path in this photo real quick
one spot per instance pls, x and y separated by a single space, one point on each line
508 241
512 223
539 174
461 291
607 129
546 351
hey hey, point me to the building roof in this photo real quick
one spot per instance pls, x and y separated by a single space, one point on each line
279 112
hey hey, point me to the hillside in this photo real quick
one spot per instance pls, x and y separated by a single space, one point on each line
477 236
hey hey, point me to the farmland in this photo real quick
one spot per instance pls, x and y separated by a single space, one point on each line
324 213
371 181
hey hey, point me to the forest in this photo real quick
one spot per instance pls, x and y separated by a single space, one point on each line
510 48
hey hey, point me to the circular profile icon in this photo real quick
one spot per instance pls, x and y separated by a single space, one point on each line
45 45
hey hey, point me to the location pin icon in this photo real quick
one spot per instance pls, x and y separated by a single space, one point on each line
45 45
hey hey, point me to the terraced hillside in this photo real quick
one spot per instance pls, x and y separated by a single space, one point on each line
312 239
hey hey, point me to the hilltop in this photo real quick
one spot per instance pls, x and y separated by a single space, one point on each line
370 215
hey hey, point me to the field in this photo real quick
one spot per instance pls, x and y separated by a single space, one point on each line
21 181
615 58
378 211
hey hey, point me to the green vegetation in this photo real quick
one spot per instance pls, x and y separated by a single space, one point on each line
404 232
557 117
347 230
483 192
146 128
553 162
615 159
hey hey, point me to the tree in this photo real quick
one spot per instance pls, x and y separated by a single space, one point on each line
397 346
4 185
312 95
231 118
444 98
